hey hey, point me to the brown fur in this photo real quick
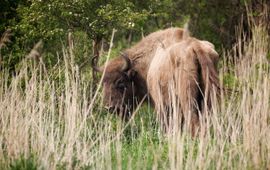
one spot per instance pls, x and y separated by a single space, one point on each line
181 78
179 72
124 100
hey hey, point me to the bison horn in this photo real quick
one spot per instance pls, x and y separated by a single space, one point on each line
127 62
93 64
97 69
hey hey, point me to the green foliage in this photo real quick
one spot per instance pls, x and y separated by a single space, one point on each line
214 20
24 163
8 13
141 153
268 56
230 81
51 21
36 23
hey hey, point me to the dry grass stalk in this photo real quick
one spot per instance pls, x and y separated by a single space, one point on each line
5 38
61 127
35 53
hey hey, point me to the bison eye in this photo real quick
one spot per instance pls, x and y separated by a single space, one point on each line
120 84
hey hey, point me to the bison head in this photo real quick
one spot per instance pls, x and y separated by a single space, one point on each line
118 86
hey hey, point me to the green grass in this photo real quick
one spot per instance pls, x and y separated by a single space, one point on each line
48 120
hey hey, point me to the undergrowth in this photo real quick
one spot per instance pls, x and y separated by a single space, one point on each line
49 120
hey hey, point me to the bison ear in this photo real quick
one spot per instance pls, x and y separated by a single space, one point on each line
127 62
98 69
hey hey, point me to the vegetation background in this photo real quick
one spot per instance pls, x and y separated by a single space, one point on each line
50 111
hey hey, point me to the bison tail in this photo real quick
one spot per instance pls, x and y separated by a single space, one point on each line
209 80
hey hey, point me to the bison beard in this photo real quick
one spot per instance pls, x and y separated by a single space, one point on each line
177 71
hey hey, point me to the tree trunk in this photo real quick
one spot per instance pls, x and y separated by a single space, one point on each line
129 37
95 58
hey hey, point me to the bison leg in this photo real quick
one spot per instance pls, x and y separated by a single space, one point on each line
188 92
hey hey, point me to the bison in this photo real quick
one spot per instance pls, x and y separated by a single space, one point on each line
182 79
166 66
124 82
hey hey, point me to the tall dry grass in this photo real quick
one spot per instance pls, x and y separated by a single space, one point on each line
56 121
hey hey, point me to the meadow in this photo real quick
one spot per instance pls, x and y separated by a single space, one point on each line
49 119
